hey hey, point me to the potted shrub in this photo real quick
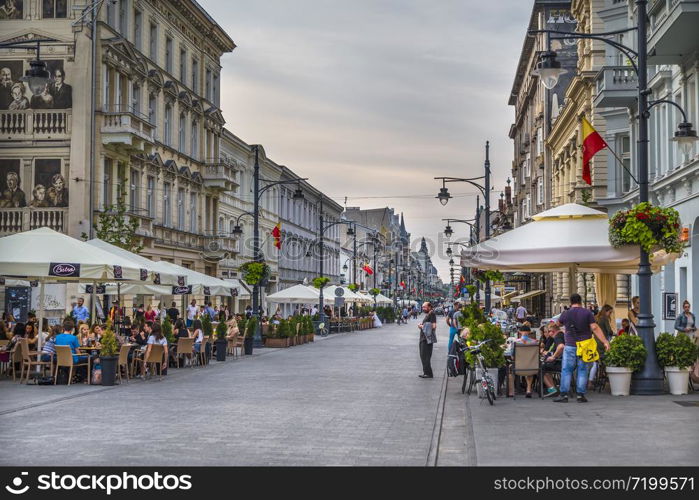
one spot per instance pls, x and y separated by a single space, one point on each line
221 342
168 330
493 353
109 355
278 337
626 355
308 326
208 329
250 328
676 354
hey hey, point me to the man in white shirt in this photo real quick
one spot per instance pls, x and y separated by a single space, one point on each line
521 313
192 310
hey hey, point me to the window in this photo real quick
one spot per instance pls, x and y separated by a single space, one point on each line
195 139
216 93
167 127
107 183
167 216
121 182
624 148
183 66
193 212
150 196
136 99
111 14
220 225
181 134
195 75
168 54
138 29
528 207
152 109
106 88
540 191
527 167
180 209
153 41
55 9
123 17
539 142
134 188
207 89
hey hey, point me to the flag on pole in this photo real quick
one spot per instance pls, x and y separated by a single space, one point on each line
367 268
277 234
402 284
592 143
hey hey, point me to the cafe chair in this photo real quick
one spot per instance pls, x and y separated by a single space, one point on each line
154 358
202 358
123 361
185 347
64 359
28 362
527 362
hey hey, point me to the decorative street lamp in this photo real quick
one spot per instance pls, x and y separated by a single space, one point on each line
650 379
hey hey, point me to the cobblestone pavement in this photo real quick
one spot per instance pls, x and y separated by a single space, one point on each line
348 399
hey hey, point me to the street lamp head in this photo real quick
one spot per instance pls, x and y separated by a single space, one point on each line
345 268
443 196
548 69
237 230
448 231
350 231
298 194
36 77
449 251
451 262
685 137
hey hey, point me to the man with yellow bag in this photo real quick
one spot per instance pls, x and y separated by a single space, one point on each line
580 348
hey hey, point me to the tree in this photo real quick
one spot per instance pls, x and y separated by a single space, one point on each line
116 227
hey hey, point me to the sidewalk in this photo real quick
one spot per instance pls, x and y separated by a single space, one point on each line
629 431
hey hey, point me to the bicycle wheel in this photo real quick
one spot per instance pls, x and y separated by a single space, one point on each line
487 390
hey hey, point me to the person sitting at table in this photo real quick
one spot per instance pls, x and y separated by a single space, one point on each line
48 350
150 313
276 319
198 334
31 336
156 337
233 331
95 334
524 332
138 335
67 338
552 356
180 329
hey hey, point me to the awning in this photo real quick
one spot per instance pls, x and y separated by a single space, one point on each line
527 295
510 294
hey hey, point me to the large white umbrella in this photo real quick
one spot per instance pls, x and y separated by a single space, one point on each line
348 295
567 238
298 294
382 299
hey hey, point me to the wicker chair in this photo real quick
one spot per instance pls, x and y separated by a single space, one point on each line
154 358
64 358
28 362
185 347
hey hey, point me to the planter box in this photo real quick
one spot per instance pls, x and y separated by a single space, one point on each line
292 341
678 380
311 337
269 342
619 380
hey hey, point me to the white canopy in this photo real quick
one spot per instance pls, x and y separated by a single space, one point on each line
349 295
167 276
298 294
569 237
45 253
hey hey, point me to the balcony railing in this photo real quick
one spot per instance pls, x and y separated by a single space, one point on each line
617 87
124 125
219 175
35 124
16 220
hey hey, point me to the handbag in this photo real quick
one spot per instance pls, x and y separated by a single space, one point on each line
587 350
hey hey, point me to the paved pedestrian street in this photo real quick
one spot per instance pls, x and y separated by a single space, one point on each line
347 399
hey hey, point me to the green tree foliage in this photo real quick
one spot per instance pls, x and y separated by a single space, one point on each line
626 351
115 226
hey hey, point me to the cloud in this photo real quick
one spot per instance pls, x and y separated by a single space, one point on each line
376 97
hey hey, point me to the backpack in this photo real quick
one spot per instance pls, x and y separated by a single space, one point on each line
456 364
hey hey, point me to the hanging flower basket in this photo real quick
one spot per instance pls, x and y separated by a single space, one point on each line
650 227
484 276
320 282
353 287
255 273
374 292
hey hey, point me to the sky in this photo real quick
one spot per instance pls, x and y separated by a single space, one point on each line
372 99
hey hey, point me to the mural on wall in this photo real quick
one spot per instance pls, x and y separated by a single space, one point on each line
16 95
12 195
50 188
11 9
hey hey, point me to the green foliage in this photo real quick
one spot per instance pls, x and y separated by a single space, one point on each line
353 287
167 330
484 276
221 330
254 273
471 289
206 325
374 292
110 346
677 351
471 313
308 325
241 325
321 282
115 226
648 226
626 351
284 329
493 353
251 327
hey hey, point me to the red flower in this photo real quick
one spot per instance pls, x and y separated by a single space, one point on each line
642 216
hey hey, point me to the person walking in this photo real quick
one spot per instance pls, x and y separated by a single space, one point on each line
192 311
521 313
579 324
80 312
428 337
453 320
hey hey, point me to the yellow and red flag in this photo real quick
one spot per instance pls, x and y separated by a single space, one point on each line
592 143
277 235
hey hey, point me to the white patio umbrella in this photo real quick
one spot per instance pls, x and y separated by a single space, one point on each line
382 299
298 294
349 295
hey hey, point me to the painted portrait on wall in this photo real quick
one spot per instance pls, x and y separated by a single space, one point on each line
10 73
50 189
11 192
61 93
11 9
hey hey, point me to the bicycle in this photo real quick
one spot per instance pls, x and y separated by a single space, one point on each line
486 380
322 331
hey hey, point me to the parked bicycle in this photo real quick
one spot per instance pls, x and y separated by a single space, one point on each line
486 380
322 331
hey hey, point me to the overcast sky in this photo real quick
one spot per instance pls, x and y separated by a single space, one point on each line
371 99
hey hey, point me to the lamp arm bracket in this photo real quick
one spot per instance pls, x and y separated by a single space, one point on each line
668 101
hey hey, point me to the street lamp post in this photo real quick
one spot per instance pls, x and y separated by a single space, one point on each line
650 379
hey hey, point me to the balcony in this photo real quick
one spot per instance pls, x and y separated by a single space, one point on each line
35 125
172 237
126 127
218 247
16 220
219 175
617 87
673 33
